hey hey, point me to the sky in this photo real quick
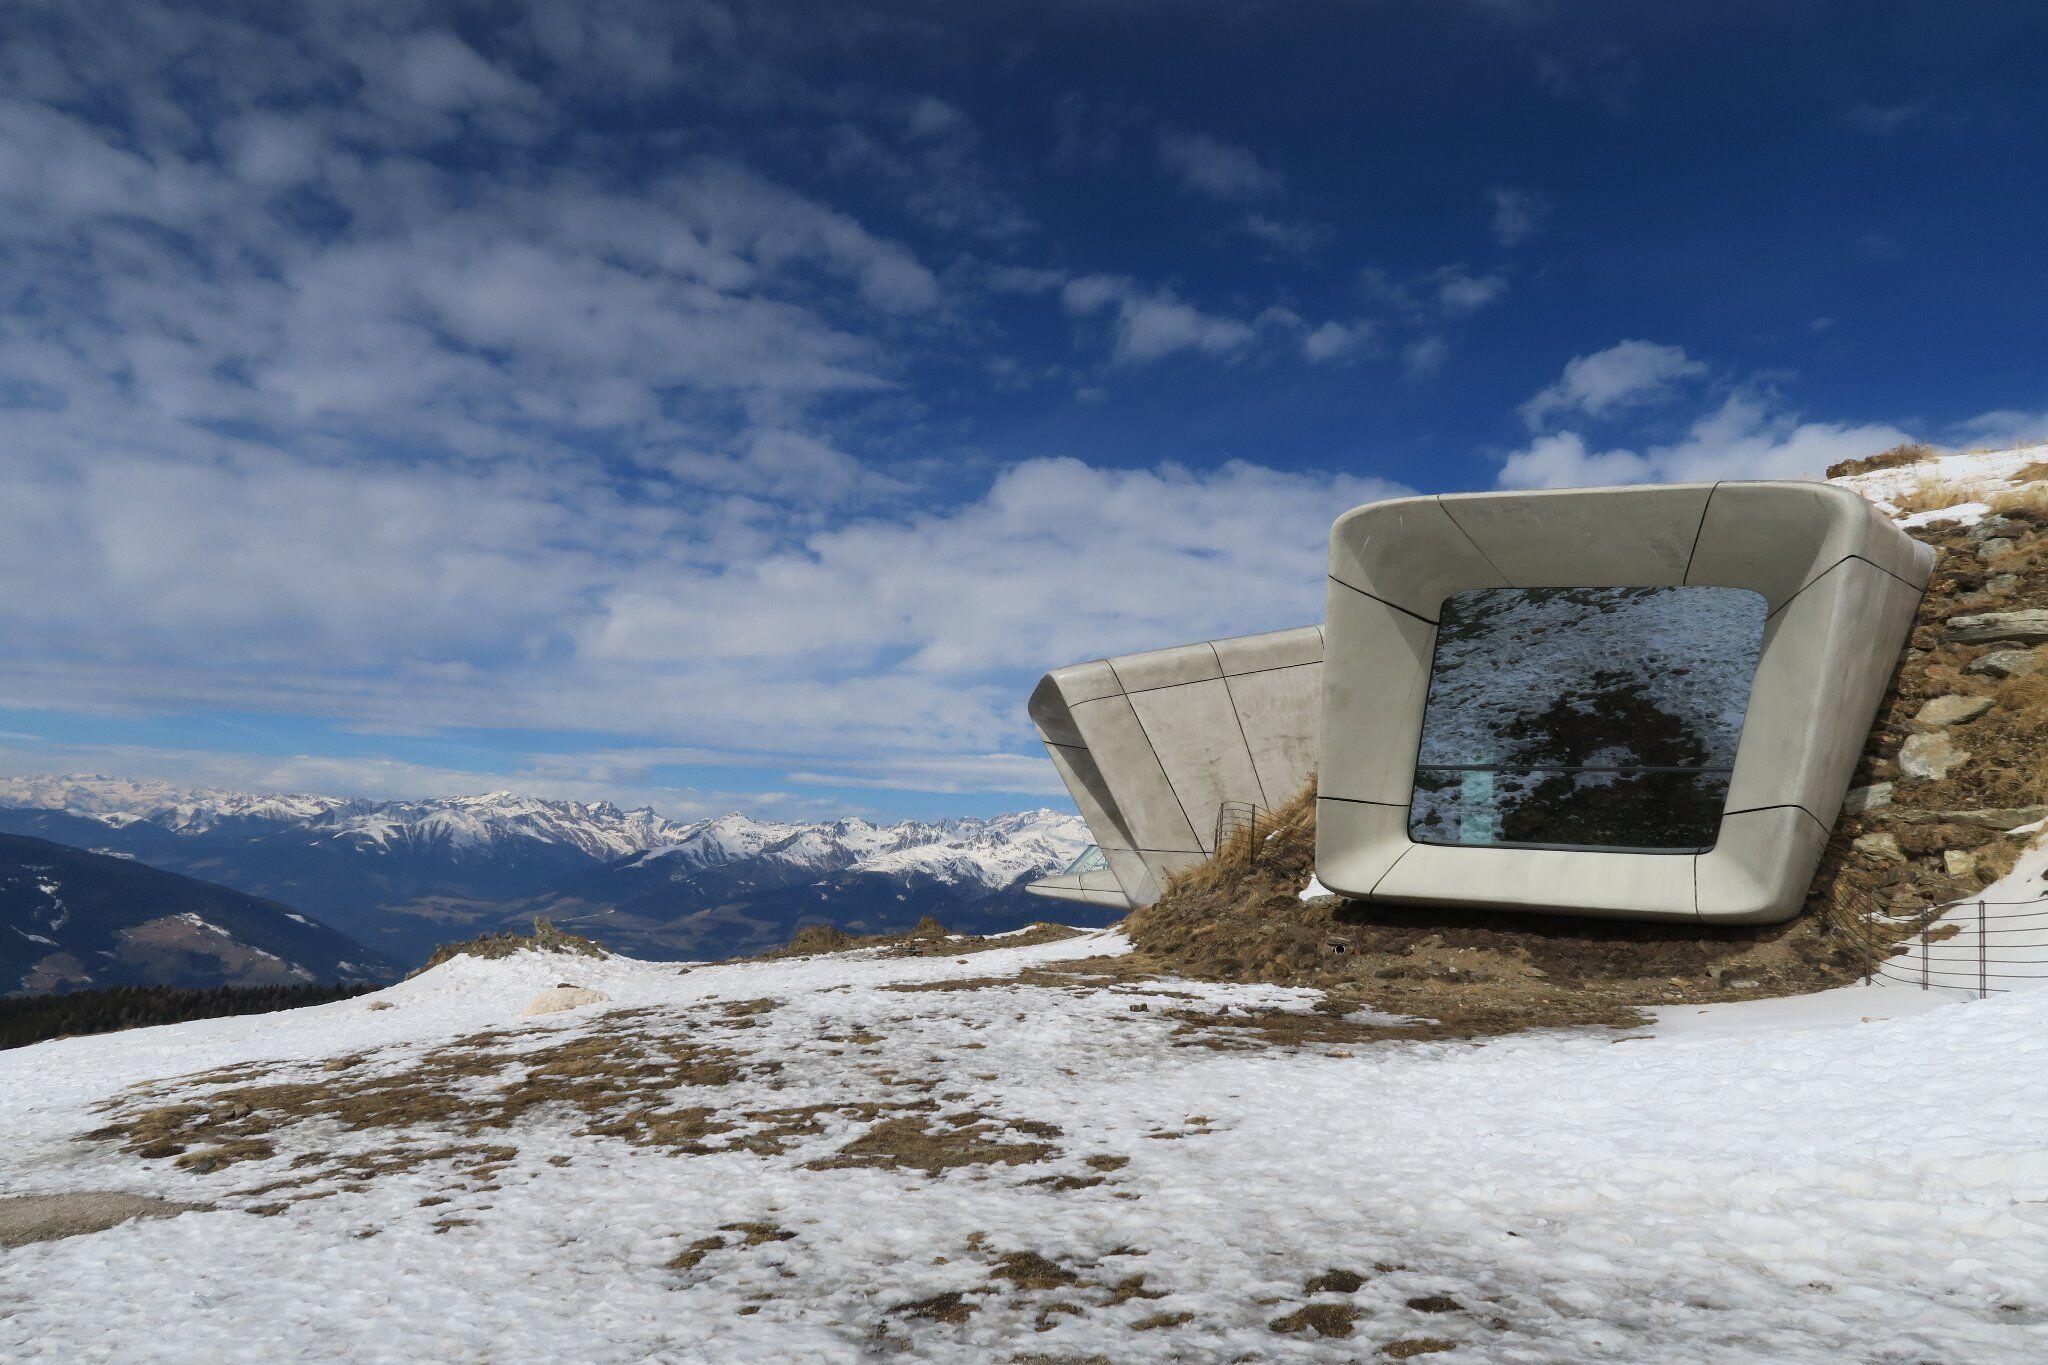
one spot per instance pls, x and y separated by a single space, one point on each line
737 406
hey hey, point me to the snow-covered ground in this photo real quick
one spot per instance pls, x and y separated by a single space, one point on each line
1862 1176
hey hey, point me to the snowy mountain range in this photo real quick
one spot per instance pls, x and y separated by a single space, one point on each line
404 876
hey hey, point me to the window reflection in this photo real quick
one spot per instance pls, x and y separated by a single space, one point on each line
1591 718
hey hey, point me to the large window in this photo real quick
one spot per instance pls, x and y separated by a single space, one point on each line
1092 859
1585 718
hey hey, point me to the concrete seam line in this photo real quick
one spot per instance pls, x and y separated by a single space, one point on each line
1441 506
1231 697
1381 600
1693 553
1196 682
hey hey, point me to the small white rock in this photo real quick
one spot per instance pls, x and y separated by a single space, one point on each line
555 999
1952 709
1959 863
1929 756
1881 845
1867 798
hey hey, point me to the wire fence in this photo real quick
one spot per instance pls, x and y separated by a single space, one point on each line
1246 820
1964 945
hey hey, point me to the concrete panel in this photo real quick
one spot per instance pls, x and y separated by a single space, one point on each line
1151 745
1088 888
1281 712
1166 667
1759 871
1356 843
1776 538
1625 537
1409 552
1375 687
1827 657
1610 885
1123 753
1275 649
1091 793
1845 583
1202 747
1085 682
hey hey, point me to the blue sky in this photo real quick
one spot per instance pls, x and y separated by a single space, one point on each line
738 405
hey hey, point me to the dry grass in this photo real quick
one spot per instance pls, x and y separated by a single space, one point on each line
2029 497
546 938
1452 974
1938 495
928 939
1911 452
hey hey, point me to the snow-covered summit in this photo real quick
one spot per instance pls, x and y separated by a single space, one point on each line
992 852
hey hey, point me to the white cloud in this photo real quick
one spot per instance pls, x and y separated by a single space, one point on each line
1748 437
1882 119
1424 356
1517 214
2005 428
1459 292
1220 170
1297 239
1628 373
1337 340
1150 324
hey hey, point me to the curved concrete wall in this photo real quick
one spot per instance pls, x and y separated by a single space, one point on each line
1151 745
1842 583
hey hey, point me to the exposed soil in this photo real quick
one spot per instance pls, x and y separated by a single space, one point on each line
28 1218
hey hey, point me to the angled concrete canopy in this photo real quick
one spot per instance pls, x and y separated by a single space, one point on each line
1841 583
1151 745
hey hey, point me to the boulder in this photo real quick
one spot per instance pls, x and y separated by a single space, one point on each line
1959 863
1994 547
1882 846
2001 584
1930 757
1952 709
2028 627
1871 797
2005 663
555 999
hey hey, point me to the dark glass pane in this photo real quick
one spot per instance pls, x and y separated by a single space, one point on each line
1602 718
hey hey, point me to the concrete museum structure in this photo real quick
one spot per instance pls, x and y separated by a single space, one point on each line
1150 744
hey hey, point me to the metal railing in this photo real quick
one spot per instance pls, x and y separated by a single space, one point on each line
2010 938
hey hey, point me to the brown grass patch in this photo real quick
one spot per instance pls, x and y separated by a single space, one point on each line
546 938
1910 452
1407 1348
928 939
1319 1319
934 1144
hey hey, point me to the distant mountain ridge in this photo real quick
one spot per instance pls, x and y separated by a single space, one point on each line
406 875
72 920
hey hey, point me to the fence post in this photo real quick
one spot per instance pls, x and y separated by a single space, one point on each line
1983 987
1923 956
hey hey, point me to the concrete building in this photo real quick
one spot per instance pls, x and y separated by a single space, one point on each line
1152 745
1841 584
